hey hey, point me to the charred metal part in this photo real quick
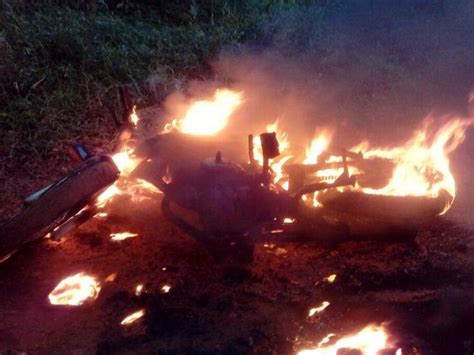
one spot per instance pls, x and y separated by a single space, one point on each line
79 152
252 160
72 223
57 203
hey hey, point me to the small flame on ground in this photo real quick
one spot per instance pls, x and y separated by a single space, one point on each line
288 220
134 117
326 339
331 278
133 317
105 196
75 290
166 288
122 236
369 341
139 290
318 309
207 117
111 277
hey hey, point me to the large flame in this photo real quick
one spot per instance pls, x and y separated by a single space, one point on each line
369 341
422 164
207 117
75 290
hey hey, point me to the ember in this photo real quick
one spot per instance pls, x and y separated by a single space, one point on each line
369 341
331 278
138 290
133 317
75 290
122 236
318 309
166 289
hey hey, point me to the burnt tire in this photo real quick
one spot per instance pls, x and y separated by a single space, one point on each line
65 197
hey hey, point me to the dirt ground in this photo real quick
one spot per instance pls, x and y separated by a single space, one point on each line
422 290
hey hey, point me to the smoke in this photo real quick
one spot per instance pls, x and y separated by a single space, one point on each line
366 70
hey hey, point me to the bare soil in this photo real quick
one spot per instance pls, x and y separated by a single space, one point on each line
222 305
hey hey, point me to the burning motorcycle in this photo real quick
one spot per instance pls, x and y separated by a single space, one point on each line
211 191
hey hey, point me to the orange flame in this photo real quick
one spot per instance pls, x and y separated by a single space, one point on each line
318 309
131 318
277 163
126 162
122 236
422 164
75 290
369 341
207 117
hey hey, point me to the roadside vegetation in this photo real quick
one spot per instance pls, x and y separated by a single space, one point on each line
62 61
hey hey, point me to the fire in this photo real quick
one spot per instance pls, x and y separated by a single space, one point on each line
166 288
126 162
133 317
318 145
277 163
331 278
139 290
318 309
422 164
207 117
134 117
122 236
369 341
75 290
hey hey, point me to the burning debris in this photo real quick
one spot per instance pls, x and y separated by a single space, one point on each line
318 309
132 318
331 278
209 188
371 340
75 290
122 236
165 288
229 191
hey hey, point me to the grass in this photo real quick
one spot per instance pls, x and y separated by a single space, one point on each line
61 65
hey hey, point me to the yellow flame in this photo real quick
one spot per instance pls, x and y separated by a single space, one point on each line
369 341
422 164
126 162
133 317
331 278
207 117
318 309
277 163
139 290
75 290
122 236
166 288
318 145
134 117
